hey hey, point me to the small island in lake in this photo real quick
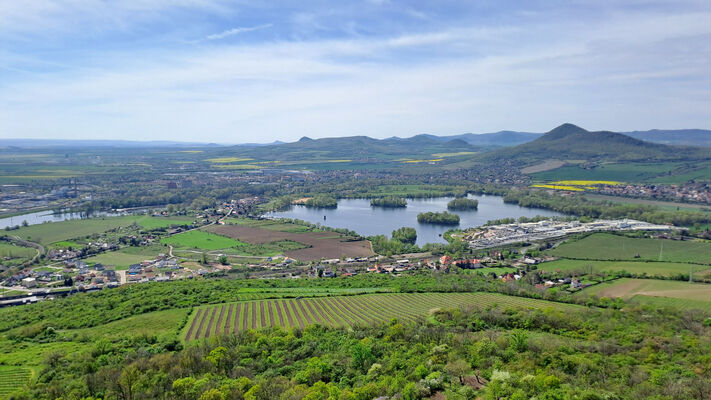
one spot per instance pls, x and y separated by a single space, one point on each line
442 218
389 201
322 201
463 204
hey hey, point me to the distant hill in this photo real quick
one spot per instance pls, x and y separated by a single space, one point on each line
501 138
69 143
354 148
677 137
681 137
569 141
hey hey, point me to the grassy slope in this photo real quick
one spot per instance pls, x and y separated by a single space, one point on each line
624 172
59 231
160 323
10 250
149 222
65 230
201 240
670 293
649 268
602 246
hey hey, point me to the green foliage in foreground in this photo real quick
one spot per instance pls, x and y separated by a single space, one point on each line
463 204
488 353
114 304
389 201
443 218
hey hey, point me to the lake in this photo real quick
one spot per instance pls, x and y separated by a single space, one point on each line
357 215
49 216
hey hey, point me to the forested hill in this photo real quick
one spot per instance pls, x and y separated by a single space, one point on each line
353 147
569 141
501 138
676 137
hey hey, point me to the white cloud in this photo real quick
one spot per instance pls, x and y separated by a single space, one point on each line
626 72
236 31
47 17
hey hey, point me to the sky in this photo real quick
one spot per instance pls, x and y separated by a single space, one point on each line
257 71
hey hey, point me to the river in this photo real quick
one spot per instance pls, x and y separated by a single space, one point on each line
357 215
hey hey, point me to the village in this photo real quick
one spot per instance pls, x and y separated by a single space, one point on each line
699 193
69 273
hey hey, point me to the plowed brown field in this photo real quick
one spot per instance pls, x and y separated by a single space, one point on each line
323 244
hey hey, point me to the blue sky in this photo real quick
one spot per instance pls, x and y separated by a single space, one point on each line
244 71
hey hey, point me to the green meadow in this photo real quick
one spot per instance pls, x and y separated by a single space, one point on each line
201 240
605 246
665 269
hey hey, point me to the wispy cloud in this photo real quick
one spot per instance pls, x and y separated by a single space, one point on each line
623 70
237 31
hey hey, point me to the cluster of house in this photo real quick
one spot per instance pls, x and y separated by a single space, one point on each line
695 193
31 278
96 277
239 207
160 269
574 283
71 253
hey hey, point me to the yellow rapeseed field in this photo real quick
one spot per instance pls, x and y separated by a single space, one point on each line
421 161
559 187
585 183
227 159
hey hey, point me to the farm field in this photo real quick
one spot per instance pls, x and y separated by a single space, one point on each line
120 259
269 224
65 230
155 323
634 267
683 304
604 246
624 172
201 240
150 222
320 244
48 233
682 292
367 309
12 378
11 254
